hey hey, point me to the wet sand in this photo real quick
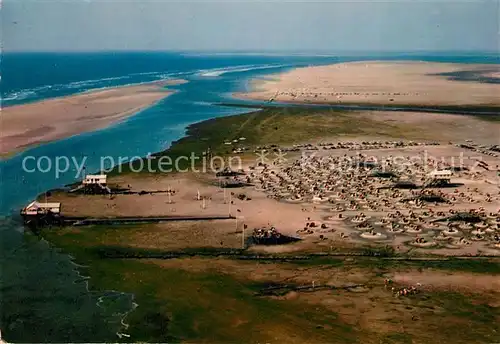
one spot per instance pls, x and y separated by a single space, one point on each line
53 119
378 82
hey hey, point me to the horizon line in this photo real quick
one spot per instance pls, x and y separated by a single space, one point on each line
255 51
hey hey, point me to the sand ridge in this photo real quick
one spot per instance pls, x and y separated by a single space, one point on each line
383 82
30 124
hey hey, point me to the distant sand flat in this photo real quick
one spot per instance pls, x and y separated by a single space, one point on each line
29 124
382 82
493 75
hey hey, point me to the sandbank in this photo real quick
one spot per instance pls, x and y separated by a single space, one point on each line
383 82
26 125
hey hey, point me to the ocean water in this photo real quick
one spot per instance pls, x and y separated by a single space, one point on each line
43 298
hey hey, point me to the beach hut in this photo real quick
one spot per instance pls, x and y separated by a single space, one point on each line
37 208
441 175
227 172
439 178
96 184
95 179
37 214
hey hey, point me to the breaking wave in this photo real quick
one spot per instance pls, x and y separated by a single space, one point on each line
50 91
55 90
216 72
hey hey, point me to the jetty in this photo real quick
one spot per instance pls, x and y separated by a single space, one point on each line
94 184
79 221
39 215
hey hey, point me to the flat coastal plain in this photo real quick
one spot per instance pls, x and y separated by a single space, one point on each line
363 245
384 82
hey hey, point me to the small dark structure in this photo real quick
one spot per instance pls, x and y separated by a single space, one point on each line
463 216
265 236
430 198
495 148
36 215
364 164
227 172
228 183
457 168
466 217
403 184
439 183
383 174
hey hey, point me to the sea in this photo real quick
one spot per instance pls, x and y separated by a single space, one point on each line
43 296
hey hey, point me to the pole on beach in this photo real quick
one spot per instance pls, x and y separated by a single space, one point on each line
242 232
243 237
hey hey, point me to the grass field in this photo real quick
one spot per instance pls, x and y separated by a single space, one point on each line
175 305
289 125
283 126
215 299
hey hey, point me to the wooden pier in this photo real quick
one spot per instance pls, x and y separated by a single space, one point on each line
80 221
40 221
38 215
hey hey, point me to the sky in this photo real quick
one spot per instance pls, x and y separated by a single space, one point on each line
251 25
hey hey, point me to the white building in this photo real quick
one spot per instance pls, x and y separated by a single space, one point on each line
94 179
35 208
440 175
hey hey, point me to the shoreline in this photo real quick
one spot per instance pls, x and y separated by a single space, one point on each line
159 83
486 111
30 124
193 131
382 83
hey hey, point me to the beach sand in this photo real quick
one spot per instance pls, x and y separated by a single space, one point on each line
378 82
30 124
